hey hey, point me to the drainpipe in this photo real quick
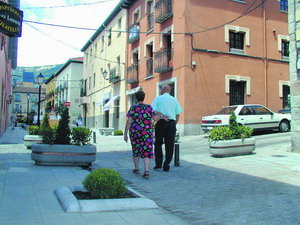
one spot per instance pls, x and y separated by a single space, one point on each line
265 56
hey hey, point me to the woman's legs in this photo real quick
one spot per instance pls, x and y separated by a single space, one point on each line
136 161
147 164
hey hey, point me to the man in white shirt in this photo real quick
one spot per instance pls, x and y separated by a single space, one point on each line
165 130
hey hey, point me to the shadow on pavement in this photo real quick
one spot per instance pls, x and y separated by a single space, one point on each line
208 195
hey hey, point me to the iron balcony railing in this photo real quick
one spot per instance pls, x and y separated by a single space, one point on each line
114 76
134 33
132 74
82 92
151 22
163 60
57 90
163 10
149 67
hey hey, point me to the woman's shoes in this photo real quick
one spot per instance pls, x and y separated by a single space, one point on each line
146 175
136 171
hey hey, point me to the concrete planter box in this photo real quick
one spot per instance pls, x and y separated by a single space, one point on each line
71 204
232 147
31 139
63 155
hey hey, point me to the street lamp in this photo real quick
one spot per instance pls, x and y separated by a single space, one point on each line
40 80
28 98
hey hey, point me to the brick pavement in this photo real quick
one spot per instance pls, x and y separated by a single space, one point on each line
262 188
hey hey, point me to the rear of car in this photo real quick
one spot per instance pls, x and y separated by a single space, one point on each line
219 119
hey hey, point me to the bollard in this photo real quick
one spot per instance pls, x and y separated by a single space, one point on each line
94 137
176 159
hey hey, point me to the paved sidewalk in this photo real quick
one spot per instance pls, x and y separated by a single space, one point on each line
262 188
27 197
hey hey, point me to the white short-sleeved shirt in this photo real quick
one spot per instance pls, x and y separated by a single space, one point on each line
167 105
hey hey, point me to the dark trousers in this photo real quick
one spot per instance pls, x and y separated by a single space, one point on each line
164 132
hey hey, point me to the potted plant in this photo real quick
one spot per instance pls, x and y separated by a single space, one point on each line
62 146
231 140
33 136
103 190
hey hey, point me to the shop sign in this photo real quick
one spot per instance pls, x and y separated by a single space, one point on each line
10 20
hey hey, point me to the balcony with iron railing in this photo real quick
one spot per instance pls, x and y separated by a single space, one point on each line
132 74
163 10
65 85
114 75
163 60
82 92
134 33
149 68
151 22
57 90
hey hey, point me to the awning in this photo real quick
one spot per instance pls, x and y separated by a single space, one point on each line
100 103
108 104
104 99
133 91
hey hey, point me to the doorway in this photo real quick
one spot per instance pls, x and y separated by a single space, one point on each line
237 92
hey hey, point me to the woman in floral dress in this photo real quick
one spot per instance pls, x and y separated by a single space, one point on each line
139 125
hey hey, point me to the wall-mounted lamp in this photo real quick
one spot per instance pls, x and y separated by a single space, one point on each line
104 74
194 65
9 99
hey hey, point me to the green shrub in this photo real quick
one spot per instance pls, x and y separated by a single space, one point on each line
47 133
220 133
21 120
63 131
233 131
243 132
81 135
45 122
104 183
33 130
118 132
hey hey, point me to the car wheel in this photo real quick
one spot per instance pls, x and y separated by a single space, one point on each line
284 126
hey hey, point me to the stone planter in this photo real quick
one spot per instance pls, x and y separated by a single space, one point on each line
63 155
70 204
232 147
31 139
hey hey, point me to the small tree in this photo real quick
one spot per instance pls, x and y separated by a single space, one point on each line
48 107
47 133
232 121
63 130
45 122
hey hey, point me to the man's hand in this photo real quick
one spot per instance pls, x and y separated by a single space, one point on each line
166 118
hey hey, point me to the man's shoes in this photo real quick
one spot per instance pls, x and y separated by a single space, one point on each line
157 167
166 169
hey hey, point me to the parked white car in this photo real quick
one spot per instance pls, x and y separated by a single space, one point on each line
257 117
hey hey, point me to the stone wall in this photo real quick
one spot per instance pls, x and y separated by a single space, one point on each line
294 32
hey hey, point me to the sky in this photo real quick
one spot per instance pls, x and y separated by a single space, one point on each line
48 45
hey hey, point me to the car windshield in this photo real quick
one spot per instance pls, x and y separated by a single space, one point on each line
227 110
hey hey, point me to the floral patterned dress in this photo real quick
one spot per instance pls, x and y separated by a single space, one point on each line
141 131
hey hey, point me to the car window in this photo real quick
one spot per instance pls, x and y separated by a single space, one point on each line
226 110
262 111
247 110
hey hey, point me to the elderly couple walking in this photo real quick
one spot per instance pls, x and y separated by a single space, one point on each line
165 110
